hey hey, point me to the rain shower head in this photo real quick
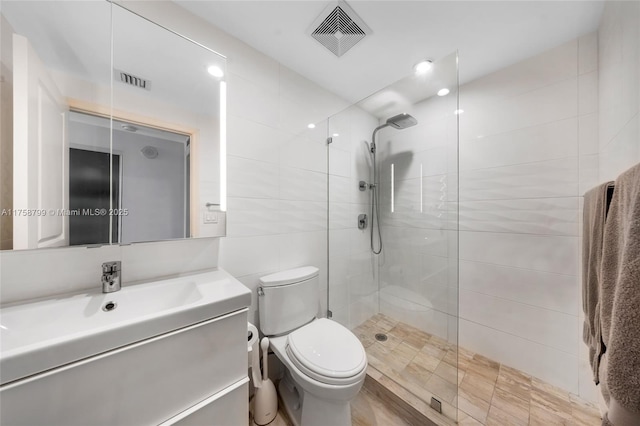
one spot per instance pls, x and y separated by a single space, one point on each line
401 121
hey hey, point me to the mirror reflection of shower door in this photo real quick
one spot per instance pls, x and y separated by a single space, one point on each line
89 204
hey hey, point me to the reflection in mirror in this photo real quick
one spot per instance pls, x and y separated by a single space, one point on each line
149 176
44 46
70 90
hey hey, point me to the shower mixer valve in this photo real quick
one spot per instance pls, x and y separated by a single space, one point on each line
362 221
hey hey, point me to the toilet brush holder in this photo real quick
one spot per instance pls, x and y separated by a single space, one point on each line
266 398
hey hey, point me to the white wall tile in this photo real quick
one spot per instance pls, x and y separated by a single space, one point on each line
29 274
417 315
554 65
550 216
544 289
141 261
558 139
545 179
251 179
249 255
299 184
250 101
252 140
588 53
253 216
588 134
544 326
302 153
588 93
551 365
548 253
550 103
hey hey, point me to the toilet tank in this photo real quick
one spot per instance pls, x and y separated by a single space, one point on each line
288 300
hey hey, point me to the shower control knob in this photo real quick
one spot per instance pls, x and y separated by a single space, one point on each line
362 221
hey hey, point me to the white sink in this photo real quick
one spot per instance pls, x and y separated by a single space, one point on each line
38 336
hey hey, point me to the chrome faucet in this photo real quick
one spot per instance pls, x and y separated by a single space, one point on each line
110 276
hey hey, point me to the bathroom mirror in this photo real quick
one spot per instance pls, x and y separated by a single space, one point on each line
112 128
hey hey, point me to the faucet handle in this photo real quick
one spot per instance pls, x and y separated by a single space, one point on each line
111 267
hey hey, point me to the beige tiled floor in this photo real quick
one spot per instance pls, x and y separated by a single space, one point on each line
366 410
484 391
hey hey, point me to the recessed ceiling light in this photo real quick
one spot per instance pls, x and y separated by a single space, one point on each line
311 126
423 66
458 111
215 71
443 92
335 135
129 127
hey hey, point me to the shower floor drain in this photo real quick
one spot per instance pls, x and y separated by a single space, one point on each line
381 337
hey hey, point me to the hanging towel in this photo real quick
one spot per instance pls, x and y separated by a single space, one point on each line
594 215
620 297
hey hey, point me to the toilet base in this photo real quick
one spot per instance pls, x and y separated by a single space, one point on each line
307 410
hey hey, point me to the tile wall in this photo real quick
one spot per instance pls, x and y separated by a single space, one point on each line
528 151
619 88
353 269
418 266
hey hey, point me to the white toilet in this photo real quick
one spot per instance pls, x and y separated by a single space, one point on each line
325 362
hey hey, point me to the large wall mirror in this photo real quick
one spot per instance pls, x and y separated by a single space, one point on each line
112 128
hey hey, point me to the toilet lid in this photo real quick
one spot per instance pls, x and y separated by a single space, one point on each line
325 349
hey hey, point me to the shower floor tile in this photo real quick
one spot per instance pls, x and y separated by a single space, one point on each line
412 366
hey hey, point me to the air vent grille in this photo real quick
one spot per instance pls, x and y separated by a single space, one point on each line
133 80
340 29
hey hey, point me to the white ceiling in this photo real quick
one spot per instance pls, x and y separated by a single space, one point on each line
488 34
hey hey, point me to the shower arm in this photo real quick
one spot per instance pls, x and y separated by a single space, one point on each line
372 148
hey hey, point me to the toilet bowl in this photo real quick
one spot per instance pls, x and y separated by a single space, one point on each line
325 362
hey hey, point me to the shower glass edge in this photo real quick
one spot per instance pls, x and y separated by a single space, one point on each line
411 288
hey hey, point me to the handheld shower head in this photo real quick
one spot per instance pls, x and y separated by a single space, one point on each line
401 121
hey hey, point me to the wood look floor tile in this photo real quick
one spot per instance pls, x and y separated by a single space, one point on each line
451 357
426 361
447 372
433 350
416 365
475 407
385 324
584 413
444 389
466 420
478 386
552 402
498 417
541 416
400 356
515 382
484 367
439 342
368 409
511 405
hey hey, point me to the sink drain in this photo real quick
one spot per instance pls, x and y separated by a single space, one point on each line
381 337
109 306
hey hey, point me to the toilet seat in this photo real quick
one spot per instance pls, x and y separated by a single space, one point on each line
327 352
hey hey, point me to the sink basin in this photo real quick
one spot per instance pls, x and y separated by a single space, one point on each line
42 335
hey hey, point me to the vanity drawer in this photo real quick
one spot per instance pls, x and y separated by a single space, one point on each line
228 407
144 383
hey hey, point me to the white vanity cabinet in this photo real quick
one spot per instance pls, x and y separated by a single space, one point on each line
193 375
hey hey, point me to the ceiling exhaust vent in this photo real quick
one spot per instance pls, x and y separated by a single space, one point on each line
132 80
339 28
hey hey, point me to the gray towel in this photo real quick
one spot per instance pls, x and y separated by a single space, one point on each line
594 215
620 292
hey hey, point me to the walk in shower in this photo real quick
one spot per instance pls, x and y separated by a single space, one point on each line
393 266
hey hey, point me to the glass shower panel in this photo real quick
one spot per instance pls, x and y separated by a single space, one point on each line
403 302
